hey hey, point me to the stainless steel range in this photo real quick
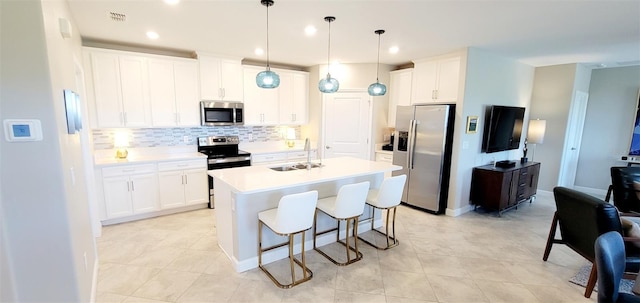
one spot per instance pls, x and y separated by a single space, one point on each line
222 152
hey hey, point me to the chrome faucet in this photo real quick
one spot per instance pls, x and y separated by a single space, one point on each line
307 148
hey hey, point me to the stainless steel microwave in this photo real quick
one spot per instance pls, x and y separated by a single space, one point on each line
221 113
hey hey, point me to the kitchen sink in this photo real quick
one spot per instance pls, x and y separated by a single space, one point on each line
304 165
283 168
297 166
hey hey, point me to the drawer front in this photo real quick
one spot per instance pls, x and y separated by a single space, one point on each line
263 158
180 165
128 170
301 155
382 157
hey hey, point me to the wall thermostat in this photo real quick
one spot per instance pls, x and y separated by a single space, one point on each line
21 130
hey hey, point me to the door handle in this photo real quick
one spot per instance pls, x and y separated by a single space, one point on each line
412 142
573 148
327 147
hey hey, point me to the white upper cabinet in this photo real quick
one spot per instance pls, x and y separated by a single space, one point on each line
120 89
261 105
294 97
286 104
399 92
220 78
173 91
141 90
436 80
187 97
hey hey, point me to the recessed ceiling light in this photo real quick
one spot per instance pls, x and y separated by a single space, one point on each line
259 51
393 50
152 35
172 2
310 30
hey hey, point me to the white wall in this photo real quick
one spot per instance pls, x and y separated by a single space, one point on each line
490 80
45 214
351 77
611 110
554 87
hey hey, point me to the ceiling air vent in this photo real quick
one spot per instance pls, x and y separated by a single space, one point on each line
118 17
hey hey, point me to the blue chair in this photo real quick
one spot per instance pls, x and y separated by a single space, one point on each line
611 262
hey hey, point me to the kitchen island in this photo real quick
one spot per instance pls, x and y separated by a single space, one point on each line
241 193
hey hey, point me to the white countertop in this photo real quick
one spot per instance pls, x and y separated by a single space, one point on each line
251 179
147 155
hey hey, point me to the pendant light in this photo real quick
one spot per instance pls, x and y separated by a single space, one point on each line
328 84
378 89
267 78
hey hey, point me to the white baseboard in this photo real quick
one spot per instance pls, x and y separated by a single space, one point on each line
154 214
94 281
458 211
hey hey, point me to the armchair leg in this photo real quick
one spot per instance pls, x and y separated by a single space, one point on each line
552 235
608 196
593 278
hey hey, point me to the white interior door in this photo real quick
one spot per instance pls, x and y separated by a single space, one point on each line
347 125
569 163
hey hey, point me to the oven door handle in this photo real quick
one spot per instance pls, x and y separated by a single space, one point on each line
229 159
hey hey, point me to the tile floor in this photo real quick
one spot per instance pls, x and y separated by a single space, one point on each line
476 257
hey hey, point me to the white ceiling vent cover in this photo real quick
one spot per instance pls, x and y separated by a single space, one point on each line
118 17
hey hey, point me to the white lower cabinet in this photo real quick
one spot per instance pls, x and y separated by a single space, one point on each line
269 158
384 157
183 183
134 189
130 190
282 157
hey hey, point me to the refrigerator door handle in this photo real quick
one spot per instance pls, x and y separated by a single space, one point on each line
412 143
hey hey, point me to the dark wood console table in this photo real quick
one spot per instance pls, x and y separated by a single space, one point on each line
500 189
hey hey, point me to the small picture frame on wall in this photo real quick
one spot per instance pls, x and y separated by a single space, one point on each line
472 124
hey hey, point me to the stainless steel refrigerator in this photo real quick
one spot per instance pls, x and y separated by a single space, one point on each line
422 146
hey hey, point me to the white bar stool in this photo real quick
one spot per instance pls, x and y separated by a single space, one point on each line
347 205
295 214
388 197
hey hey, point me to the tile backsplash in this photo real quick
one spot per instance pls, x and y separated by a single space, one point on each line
156 137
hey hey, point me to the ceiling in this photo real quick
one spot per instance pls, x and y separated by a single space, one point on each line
538 33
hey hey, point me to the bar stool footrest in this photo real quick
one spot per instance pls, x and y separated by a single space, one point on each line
292 284
395 242
358 256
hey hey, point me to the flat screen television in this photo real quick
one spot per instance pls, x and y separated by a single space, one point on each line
502 128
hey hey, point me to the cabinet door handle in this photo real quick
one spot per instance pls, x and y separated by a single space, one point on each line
133 188
531 181
128 185
186 179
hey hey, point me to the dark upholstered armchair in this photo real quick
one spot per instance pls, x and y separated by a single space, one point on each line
610 261
582 219
624 193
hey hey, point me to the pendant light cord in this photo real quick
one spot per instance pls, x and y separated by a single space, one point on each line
378 66
268 67
329 51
